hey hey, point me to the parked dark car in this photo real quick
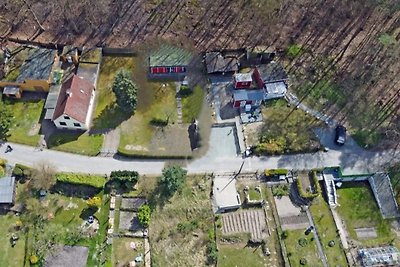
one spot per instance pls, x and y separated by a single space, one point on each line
308 230
340 135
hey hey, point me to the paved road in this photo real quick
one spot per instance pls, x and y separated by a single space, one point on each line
353 162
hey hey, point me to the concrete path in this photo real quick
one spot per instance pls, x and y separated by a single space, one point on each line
316 238
110 143
178 103
147 255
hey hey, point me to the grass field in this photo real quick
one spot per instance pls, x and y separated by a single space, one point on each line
179 226
11 256
296 251
122 253
327 231
359 209
241 256
286 130
76 143
192 104
107 114
26 117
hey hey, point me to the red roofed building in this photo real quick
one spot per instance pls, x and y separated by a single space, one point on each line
75 104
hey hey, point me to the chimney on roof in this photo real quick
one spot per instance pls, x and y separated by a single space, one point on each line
69 93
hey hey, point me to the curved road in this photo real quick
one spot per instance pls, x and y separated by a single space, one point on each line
353 161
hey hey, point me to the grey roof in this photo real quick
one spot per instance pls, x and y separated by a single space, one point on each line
382 189
89 72
216 62
7 186
168 56
272 72
11 90
38 65
252 95
225 195
380 256
68 256
276 88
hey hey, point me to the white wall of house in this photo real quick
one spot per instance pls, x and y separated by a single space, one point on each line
67 122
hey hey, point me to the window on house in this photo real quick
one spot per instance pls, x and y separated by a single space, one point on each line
63 123
77 124
66 117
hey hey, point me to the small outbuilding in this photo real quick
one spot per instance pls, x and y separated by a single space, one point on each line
217 62
7 191
225 196
244 97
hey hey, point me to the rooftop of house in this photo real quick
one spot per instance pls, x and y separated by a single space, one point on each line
74 99
225 194
252 95
89 72
38 65
276 88
243 77
7 186
91 55
272 72
216 62
168 56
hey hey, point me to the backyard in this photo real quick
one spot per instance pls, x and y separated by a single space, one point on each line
180 226
286 130
73 142
26 121
239 254
359 209
327 232
299 245
192 104
11 256
123 253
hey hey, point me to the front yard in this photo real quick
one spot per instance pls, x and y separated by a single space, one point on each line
80 143
327 232
180 227
26 121
359 209
286 130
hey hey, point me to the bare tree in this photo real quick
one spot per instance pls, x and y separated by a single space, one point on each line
43 176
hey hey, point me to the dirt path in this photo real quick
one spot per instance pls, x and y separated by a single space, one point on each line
178 103
147 256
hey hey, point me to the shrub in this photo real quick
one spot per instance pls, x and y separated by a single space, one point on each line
96 181
303 261
94 202
294 50
280 190
22 171
173 178
159 122
33 259
303 242
126 178
212 253
316 185
185 90
284 234
273 172
144 215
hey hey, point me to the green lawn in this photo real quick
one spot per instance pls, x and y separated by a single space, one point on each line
286 130
76 143
192 104
27 115
122 253
359 209
296 251
327 231
240 256
107 114
254 194
11 256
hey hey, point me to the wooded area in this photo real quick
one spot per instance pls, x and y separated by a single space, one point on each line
347 51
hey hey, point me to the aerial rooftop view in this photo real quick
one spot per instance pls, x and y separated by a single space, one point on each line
161 133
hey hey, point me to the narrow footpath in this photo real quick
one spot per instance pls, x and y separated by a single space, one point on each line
316 238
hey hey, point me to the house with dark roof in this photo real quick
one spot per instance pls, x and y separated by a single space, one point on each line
35 73
7 191
75 104
218 62
169 62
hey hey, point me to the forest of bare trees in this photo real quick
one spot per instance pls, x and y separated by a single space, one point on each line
349 48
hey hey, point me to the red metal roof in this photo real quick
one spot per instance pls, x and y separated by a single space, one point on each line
74 99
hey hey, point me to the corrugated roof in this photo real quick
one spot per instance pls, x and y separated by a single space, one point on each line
252 95
74 99
243 77
168 56
38 65
272 72
276 88
7 185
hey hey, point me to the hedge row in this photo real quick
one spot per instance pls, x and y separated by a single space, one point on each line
308 195
22 170
273 172
147 156
96 181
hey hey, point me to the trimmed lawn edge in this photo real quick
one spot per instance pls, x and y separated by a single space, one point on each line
124 153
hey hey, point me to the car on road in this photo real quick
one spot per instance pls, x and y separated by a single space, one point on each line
340 135
308 230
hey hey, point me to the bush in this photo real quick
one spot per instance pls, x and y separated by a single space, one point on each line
144 215
280 190
94 202
303 261
285 234
33 259
294 50
303 242
22 171
159 122
308 195
185 90
126 178
273 172
96 181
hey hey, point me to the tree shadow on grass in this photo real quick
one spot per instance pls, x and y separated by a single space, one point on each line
86 212
110 118
159 197
60 137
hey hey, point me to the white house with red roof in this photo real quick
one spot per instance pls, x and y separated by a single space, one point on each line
75 104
